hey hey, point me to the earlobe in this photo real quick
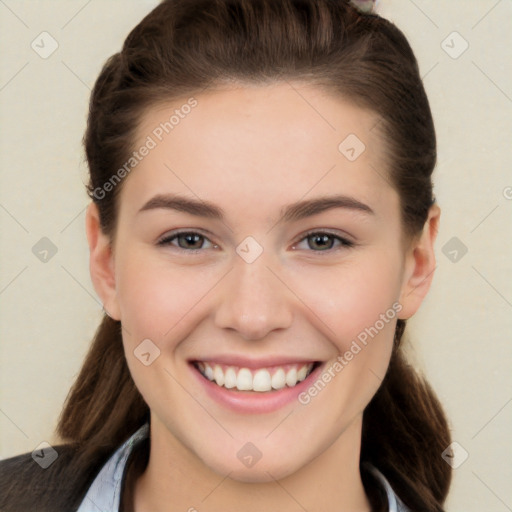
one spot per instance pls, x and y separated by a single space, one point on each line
420 263
101 262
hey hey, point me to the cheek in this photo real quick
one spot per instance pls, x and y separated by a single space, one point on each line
159 300
354 297
357 309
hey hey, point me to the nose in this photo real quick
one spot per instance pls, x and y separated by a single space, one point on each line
253 301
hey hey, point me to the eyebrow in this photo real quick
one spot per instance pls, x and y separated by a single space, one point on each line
290 213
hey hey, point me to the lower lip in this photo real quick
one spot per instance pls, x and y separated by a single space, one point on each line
255 402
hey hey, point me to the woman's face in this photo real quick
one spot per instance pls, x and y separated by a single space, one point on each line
290 259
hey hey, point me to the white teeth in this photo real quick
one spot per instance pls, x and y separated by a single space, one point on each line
218 375
244 380
302 373
208 372
230 378
279 379
262 380
291 377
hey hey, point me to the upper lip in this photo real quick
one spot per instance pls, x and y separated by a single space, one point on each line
261 362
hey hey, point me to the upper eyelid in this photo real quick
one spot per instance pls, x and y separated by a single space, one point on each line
345 242
173 235
346 237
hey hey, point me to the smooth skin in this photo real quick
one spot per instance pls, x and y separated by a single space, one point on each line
252 151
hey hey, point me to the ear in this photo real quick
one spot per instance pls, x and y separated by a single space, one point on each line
420 263
101 262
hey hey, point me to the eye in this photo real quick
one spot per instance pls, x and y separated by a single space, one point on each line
186 240
321 241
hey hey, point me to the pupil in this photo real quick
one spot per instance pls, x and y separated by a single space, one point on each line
322 241
191 240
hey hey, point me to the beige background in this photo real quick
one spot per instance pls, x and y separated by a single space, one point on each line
461 336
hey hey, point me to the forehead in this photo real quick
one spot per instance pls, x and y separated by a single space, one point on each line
277 142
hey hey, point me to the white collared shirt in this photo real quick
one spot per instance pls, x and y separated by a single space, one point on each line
104 494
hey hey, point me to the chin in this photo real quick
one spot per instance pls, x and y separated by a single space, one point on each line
258 473
258 476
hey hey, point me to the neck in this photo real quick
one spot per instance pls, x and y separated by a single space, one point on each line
175 479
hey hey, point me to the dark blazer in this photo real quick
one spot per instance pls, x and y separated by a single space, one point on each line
26 487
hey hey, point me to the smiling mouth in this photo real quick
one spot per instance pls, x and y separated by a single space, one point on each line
261 380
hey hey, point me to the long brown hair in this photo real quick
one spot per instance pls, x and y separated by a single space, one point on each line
185 46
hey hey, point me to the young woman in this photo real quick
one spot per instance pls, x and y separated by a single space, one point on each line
262 225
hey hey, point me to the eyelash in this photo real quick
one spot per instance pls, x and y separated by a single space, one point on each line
343 243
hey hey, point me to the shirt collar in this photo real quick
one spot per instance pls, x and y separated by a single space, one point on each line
394 502
105 492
